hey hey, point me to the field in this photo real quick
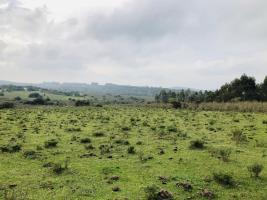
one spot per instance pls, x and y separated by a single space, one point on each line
129 152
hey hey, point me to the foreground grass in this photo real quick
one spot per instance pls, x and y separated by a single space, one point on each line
92 158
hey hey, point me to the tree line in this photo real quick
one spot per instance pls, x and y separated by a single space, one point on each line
244 88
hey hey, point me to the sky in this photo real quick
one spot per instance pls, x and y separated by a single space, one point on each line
168 43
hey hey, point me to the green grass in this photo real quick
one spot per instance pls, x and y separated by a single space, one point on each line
25 177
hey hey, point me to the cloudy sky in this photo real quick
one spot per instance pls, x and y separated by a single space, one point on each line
198 44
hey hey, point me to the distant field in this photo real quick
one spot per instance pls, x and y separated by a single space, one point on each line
115 152
65 99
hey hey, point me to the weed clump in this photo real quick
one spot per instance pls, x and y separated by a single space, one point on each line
11 148
255 169
89 147
98 134
104 149
125 128
85 140
30 154
6 105
222 154
50 143
59 168
154 193
197 144
131 150
172 129
223 179
122 142
238 136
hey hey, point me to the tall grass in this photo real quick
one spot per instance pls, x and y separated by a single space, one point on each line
230 106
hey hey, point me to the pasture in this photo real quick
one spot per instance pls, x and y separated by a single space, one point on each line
129 152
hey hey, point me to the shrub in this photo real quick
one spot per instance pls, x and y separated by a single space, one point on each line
30 154
58 168
125 128
255 169
6 105
98 134
104 149
11 148
238 136
151 192
73 129
197 144
39 101
176 104
131 150
122 142
89 147
35 95
224 179
50 143
172 129
85 140
17 98
222 154
154 193
264 121
82 103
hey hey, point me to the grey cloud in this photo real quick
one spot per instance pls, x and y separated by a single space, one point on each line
170 42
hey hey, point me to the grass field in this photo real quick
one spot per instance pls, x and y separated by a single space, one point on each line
116 152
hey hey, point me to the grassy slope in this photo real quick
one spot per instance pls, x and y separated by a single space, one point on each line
86 178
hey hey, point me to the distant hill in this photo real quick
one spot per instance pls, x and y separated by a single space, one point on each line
95 88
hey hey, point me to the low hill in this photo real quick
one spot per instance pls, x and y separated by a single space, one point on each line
95 88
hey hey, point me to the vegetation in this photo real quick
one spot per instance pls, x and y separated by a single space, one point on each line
131 152
240 89
255 169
